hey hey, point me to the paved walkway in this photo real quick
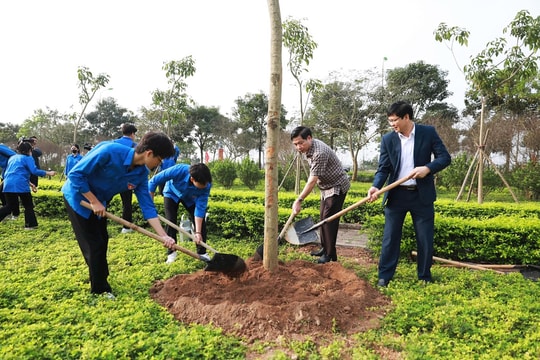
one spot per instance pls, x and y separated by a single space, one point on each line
351 235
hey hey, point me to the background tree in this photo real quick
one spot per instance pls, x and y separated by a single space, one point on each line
8 133
204 121
251 112
420 84
106 120
174 101
89 86
341 115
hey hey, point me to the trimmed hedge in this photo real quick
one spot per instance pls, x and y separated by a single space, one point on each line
498 240
490 232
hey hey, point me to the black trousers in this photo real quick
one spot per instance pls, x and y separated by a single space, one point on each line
12 203
93 240
14 212
329 230
171 213
127 207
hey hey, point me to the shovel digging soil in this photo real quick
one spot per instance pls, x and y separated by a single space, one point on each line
290 237
226 263
222 263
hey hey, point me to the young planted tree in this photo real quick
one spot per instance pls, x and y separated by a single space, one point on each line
494 72
274 116
300 44
89 85
174 101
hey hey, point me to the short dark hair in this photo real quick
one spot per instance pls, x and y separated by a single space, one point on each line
400 108
128 129
200 173
301 131
160 144
24 147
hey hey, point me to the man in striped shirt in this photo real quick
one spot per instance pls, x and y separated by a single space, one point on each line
325 171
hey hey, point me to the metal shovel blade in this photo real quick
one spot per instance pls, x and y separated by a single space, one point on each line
226 263
296 236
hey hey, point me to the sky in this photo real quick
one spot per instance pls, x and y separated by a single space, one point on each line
44 42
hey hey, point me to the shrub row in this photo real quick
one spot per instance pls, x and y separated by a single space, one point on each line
491 232
497 240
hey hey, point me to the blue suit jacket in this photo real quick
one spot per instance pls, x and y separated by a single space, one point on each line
426 143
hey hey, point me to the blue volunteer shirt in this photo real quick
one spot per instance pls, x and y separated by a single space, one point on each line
5 153
126 141
18 171
71 161
105 172
178 187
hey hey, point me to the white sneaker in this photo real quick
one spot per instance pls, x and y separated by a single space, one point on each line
13 217
126 230
31 228
109 295
204 257
171 257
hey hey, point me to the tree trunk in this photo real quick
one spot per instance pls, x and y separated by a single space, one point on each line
270 260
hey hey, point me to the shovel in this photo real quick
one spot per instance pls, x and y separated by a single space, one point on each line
355 205
214 265
220 262
260 249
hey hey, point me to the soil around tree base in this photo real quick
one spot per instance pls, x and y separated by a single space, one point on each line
300 300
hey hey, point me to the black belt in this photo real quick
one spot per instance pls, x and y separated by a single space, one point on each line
408 187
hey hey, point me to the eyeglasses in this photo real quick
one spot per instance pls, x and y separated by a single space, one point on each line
394 120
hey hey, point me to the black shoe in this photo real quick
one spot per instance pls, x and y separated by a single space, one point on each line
324 259
319 252
382 283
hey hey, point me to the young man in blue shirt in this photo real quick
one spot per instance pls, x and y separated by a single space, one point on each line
127 139
107 170
190 186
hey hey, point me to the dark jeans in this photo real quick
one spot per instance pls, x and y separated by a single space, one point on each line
329 230
171 213
127 207
93 240
12 202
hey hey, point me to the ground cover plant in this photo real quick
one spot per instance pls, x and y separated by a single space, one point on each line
47 312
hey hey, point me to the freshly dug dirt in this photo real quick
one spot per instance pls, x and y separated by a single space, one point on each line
301 299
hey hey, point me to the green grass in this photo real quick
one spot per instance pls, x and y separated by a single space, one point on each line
46 311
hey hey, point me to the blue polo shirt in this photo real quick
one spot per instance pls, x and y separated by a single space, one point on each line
18 171
106 172
5 153
71 161
178 187
126 140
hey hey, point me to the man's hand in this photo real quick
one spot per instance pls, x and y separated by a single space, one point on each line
198 238
372 193
98 208
168 242
419 172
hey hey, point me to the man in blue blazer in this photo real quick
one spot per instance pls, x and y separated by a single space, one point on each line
409 150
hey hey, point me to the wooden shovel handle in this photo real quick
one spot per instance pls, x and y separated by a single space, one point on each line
286 226
187 233
142 231
459 263
358 203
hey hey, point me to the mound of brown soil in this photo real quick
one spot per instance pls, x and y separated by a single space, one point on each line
298 300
